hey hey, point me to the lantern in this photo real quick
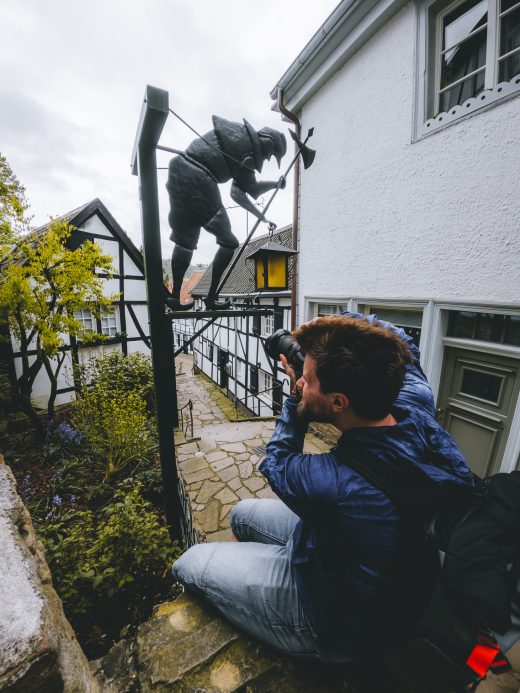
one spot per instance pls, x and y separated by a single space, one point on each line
271 266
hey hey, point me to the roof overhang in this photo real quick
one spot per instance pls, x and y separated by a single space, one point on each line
349 26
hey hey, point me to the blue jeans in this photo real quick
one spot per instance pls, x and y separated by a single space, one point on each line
250 581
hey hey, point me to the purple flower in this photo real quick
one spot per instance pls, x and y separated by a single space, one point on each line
68 435
56 500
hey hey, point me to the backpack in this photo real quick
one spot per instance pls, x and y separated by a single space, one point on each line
458 605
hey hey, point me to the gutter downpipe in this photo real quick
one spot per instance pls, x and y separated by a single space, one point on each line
294 280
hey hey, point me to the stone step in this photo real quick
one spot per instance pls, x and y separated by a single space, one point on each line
185 647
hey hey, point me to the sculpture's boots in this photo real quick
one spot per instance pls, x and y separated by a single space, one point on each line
221 261
181 259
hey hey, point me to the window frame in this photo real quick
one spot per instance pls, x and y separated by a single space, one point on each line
430 14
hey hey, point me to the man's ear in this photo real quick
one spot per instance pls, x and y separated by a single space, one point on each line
339 402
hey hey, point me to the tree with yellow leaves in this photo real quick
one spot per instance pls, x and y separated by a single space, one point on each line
43 284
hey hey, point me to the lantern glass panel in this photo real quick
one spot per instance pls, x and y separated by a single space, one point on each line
277 271
259 272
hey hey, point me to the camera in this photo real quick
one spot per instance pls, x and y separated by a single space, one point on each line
282 342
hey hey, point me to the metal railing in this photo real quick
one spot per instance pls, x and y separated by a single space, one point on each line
189 418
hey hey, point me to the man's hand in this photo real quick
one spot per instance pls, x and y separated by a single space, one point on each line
289 370
282 183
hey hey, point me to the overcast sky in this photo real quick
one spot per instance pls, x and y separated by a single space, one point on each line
72 80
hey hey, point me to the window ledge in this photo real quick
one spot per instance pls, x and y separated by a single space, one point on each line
488 97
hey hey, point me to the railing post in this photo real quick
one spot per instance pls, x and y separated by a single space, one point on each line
154 113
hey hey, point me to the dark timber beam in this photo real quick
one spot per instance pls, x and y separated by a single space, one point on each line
154 113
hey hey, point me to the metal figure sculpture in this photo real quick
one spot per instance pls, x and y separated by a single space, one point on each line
231 151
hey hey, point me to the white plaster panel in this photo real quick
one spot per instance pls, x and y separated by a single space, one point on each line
110 248
141 313
133 347
95 225
129 266
383 217
134 289
111 287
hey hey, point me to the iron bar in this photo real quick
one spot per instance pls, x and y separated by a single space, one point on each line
154 113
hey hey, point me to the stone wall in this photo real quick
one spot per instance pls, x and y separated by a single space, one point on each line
38 646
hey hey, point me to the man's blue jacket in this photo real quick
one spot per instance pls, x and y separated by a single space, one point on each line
345 545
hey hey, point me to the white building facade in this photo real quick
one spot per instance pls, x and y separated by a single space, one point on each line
412 206
124 327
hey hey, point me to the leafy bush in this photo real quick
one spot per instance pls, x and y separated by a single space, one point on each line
109 565
116 428
115 372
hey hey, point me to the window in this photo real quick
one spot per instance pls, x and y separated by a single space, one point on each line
268 325
487 327
328 309
469 51
239 369
87 320
108 323
265 387
408 320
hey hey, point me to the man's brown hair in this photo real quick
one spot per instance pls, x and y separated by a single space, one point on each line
362 360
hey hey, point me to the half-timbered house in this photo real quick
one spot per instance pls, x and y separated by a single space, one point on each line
230 351
125 326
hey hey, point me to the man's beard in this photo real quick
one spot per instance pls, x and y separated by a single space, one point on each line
316 411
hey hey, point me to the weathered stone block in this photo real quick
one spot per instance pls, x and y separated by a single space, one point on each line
39 651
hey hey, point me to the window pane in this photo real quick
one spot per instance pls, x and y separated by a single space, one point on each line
465 58
510 32
490 327
509 67
328 309
459 93
481 385
513 330
462 324
458 24
507 4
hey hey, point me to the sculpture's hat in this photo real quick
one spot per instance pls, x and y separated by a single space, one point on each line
273 142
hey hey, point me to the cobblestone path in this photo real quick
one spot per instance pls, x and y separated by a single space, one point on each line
220 466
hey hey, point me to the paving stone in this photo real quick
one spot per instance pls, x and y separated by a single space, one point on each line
226 496
200 475
206 417
266 492
208 519
195 486
246 469
193 465
243 456
254 443
188 448
222 464
255 483
235 483
222 535
207 444
244 493
225 510
233 447
214 456
228 473
208 489
254 459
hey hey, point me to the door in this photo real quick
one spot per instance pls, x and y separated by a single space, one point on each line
476 404
222 361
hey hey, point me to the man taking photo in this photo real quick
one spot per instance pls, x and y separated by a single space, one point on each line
325 570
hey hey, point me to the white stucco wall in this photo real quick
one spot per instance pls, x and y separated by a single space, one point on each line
382 217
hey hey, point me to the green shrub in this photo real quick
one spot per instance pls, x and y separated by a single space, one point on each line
115 372
116 428
109 565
